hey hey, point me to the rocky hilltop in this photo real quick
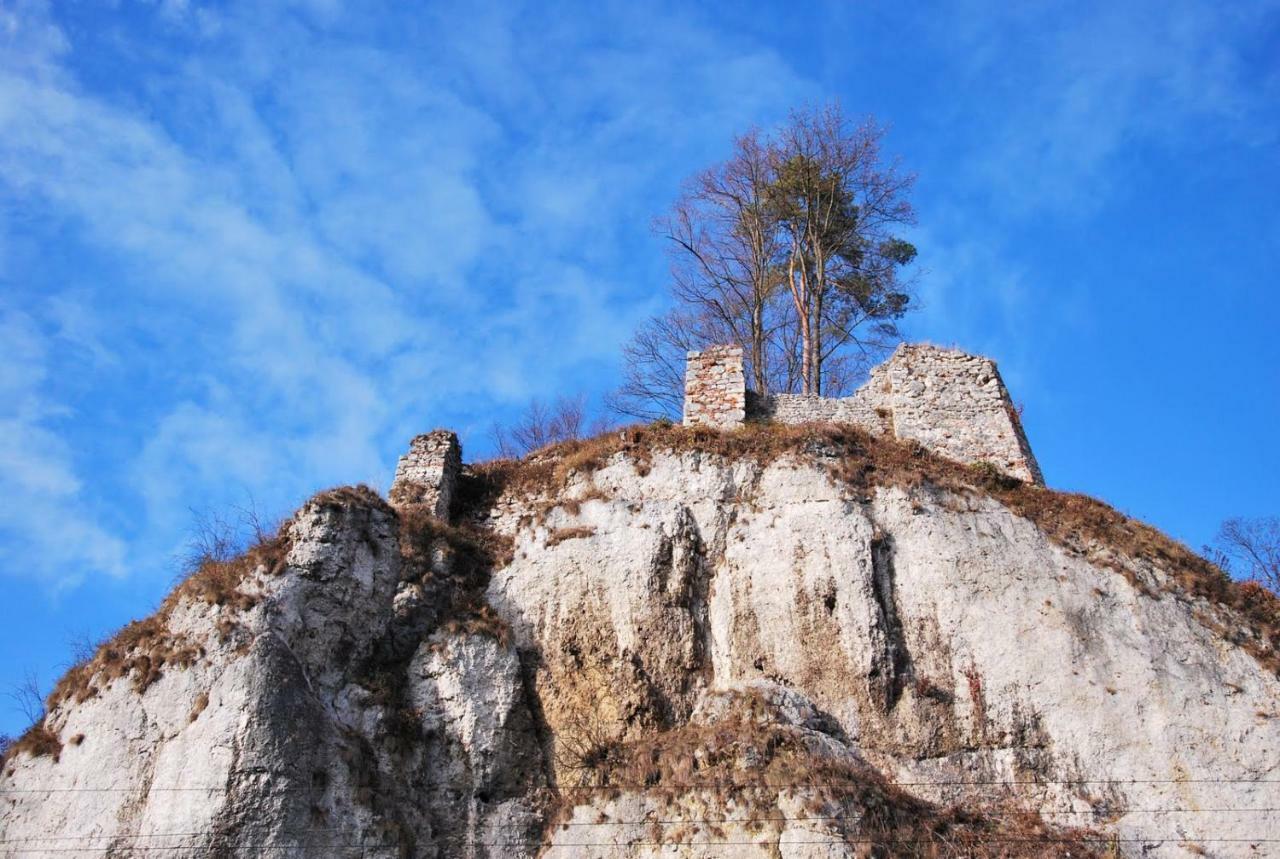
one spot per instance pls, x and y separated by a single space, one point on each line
775 641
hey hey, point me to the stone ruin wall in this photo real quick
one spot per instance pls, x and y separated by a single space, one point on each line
428 473
952 402
865 408
715 387
957 404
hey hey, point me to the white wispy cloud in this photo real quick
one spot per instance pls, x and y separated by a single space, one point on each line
1069 87
46 523
322 238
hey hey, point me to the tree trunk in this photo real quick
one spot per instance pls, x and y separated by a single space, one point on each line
759 377
815 319
800 296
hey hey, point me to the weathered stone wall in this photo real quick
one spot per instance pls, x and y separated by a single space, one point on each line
808 408
428 473
715 388
949 401
956 404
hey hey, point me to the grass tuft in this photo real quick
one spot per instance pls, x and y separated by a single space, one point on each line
37 741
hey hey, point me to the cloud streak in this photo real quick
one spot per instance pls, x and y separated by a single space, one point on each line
322 238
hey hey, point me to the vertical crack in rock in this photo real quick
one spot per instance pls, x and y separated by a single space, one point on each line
697 571
529 662
892 667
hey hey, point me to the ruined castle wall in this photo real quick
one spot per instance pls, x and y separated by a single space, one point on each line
428 473
715 388
808 408
956 404
952 402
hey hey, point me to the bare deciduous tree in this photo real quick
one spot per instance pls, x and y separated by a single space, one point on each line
218 537
724 251
1250 548
213 537
790 249
542 424
27 697
83 646
653 366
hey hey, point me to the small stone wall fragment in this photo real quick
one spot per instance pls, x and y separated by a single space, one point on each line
715 388
428 473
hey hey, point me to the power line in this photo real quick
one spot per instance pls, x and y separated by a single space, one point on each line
835 839
1110 812
714 785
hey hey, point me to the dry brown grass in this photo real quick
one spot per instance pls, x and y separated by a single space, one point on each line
198 707
358 495
575 532
748 759
145 648
37 741
862 462
454 563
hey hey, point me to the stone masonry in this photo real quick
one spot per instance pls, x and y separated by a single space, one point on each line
950 401
715 388
956 404
428 473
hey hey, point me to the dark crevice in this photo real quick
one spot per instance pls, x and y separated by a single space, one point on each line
699 595
895 669
530 661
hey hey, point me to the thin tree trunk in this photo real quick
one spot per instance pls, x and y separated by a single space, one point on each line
815 337
759 378
800 297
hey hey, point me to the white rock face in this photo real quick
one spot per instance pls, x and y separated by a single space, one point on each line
278 740
952 642
741 622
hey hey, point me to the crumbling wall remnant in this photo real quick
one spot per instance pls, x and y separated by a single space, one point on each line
715 388
952 402
428 473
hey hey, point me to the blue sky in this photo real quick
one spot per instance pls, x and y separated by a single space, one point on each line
249 249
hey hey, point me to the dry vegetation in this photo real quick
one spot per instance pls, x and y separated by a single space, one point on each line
748 759
37 741
576 532
860 461
144 648
453 563
198 707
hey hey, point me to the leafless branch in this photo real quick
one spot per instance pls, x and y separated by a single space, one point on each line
542 424
27 697
1251 548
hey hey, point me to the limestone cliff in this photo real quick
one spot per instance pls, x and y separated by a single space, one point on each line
781 641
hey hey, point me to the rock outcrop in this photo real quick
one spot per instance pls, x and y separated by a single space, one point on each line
786 641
